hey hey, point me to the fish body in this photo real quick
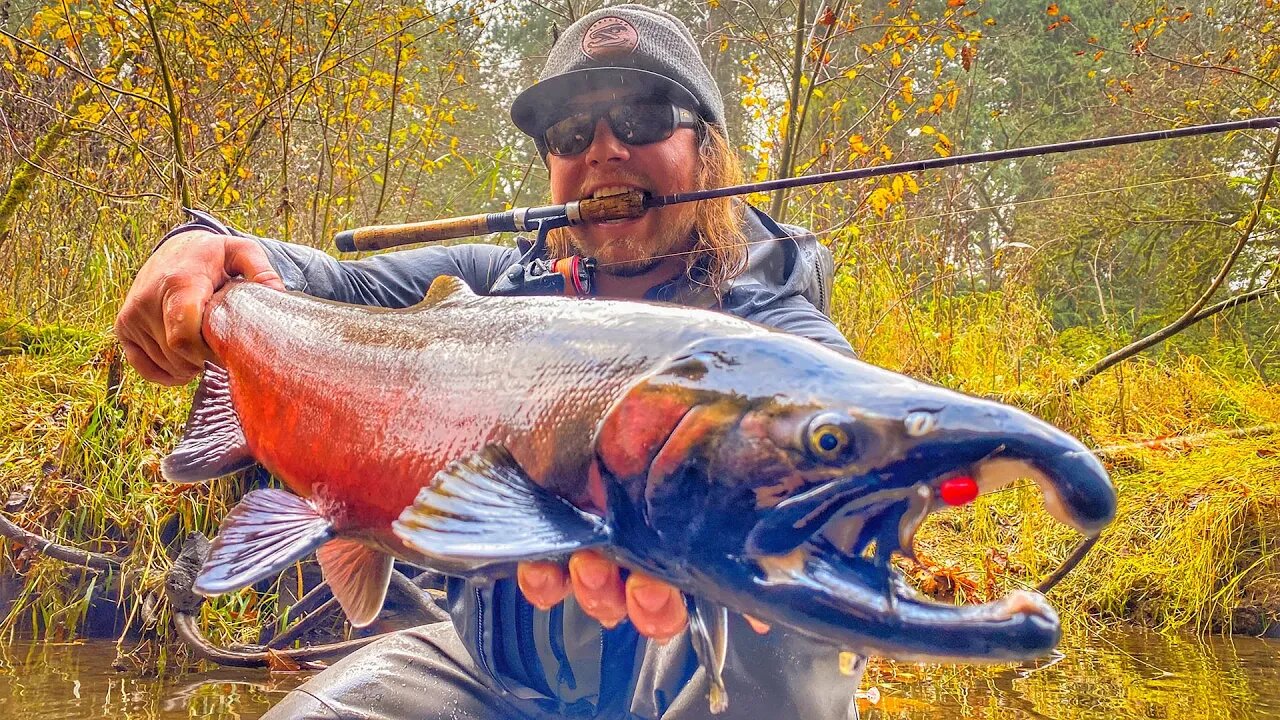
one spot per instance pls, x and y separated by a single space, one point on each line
754 470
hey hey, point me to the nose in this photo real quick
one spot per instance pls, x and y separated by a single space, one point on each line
606 147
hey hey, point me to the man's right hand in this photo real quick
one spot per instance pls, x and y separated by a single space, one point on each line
159 322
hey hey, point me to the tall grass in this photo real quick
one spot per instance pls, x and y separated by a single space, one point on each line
1195 543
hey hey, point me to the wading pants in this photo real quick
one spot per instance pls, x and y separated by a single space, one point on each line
426 673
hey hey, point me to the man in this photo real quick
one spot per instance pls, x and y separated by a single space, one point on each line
624 102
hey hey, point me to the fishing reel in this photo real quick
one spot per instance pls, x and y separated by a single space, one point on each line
571 276
534 274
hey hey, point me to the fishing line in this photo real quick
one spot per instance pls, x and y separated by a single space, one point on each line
1160 442
1012 203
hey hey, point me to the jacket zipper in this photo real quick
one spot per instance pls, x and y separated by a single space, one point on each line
480 638
822 285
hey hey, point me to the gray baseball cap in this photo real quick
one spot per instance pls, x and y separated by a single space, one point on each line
627 47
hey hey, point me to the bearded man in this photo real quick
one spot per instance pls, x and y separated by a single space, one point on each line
625 102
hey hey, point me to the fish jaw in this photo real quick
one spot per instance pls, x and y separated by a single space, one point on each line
852 603
1076 488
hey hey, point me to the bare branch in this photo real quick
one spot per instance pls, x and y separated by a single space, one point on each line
1192 315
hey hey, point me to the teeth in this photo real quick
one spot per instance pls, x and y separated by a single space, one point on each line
1021 602
917 509
844 532
611 190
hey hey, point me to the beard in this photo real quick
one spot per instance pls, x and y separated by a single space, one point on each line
636 254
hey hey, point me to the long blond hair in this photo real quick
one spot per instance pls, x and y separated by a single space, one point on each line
720 252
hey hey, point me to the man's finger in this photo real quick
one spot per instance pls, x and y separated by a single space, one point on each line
598 586
176 370
655 608
246 258
544 584
182 312
144 365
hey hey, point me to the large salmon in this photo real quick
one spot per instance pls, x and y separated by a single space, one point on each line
754 470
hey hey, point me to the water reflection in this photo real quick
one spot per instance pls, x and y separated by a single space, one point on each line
1101 677
76 680
1104 676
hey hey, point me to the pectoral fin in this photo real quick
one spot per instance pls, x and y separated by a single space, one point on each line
265 533
213 444
358 575
485 510
709 631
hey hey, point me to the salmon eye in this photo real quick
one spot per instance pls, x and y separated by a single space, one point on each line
828 437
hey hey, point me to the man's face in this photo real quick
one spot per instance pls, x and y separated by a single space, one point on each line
628 247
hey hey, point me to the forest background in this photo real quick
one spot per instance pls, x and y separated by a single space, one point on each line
1129 294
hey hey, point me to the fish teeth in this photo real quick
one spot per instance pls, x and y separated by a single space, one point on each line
845 531
918 506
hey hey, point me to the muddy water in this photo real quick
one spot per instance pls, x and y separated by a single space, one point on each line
1104 677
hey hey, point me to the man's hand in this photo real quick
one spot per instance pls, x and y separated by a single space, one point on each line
159 322
655 608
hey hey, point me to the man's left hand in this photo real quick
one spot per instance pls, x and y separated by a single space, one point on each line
655 608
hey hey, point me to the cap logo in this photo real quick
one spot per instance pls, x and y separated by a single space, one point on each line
609 36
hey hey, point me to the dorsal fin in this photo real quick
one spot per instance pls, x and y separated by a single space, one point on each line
446 287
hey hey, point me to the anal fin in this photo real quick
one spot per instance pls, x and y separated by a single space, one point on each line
213 444
485 510
358 576
265 533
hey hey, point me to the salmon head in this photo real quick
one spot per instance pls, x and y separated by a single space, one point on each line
776 477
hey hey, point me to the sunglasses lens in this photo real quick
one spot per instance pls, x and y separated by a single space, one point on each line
634 123
571 135
641 123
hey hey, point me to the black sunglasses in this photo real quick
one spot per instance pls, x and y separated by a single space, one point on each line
637 122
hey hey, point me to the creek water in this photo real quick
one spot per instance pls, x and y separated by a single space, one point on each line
1103 676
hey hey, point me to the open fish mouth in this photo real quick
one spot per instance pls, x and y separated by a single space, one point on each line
834 544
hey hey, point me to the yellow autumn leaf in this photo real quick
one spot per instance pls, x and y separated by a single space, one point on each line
898 186
949 49
911 184
879 200
896 59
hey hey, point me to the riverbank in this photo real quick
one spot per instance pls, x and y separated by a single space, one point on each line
1194 546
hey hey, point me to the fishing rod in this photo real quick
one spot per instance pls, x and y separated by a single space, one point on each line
635 203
